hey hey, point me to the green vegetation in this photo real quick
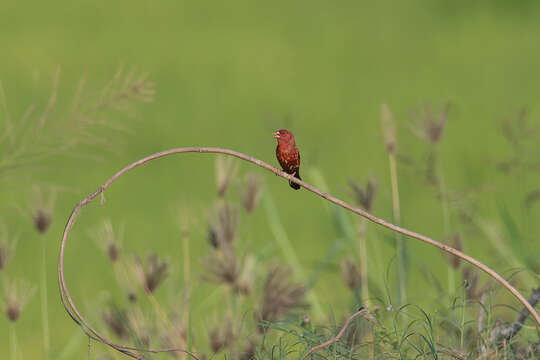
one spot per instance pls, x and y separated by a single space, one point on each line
212 255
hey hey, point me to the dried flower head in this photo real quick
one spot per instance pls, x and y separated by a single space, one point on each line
222 334
7 247
250 191
226 168
141 326
350 274
16 295
249 349
41 208
388 129
127 278
151 273
471 283
116 320
429 126
280 295
455 242
221 267
223 226
364 196
173 335
108 241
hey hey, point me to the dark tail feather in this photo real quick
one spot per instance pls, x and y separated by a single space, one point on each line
295 186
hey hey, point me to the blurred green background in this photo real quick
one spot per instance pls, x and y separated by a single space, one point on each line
227 74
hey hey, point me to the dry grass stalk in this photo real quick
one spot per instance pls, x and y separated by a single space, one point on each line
70 307
335 338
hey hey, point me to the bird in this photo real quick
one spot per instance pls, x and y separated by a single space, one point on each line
288 155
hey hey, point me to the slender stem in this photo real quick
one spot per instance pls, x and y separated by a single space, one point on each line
288 251
187 290
362 227
74 313
13 342
44 306
400 245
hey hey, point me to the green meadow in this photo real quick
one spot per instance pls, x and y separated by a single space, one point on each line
88 87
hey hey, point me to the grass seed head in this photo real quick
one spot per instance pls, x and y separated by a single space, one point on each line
280 295
350 274
250 191
364 196
16 295
151 273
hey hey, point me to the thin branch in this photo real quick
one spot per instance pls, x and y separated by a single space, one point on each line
335 338
74 313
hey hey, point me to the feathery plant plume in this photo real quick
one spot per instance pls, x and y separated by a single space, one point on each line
388 129
250 191
16 295
7 247
350 274
249 349
280 295
141 326
150 274
522 137
456 242
429 125
116 320
222 267
41 135
389 133
364 195
107 241
173 335
126 278
223 226
42 209
226 169
221 264
222 334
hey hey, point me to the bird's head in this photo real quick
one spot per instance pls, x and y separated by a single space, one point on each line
284 136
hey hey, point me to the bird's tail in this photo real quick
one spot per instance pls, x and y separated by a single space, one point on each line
295 186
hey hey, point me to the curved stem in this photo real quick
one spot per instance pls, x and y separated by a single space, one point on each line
74 313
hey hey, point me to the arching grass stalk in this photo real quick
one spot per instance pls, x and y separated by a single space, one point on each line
134 352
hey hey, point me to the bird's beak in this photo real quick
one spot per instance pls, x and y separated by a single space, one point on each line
276 135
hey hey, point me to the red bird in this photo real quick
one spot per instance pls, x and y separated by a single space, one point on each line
288 155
